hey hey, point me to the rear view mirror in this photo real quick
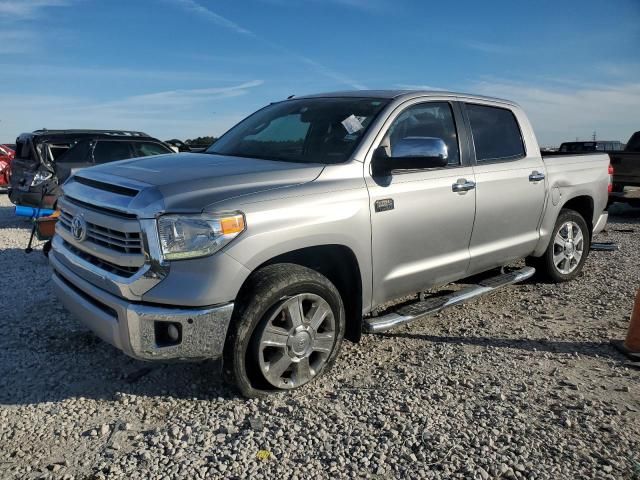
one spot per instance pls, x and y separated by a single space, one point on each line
411 153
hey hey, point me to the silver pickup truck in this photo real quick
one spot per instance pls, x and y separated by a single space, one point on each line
294 229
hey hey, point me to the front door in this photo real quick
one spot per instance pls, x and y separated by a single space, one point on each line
421 223
510 189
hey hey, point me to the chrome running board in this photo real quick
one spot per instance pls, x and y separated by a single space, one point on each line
420 309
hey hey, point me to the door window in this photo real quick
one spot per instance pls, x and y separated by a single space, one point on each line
77 153
433 119
145 149
496 134
110 151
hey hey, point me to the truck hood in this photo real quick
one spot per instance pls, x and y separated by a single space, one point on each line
185 181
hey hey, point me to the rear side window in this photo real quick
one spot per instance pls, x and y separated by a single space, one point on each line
110 151
144 149
78 153
496 134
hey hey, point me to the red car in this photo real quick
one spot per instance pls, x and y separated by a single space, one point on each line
6 156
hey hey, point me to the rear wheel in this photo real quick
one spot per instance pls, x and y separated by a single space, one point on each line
568 249
286 330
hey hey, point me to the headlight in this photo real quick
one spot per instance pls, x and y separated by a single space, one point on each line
189 236
40 177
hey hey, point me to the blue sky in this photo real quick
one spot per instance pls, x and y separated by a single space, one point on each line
183 68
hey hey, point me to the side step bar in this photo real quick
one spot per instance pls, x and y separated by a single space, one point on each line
420 309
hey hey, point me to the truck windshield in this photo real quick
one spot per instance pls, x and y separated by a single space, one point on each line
311 130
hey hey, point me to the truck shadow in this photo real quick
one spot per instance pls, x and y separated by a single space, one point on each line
46 355
587 348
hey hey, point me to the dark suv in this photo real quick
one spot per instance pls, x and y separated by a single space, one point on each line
46 158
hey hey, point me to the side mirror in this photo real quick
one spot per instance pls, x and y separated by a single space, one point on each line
411 153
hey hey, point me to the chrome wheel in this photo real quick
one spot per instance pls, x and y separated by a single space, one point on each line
568 247
296 340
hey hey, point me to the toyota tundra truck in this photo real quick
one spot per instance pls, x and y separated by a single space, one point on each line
304 223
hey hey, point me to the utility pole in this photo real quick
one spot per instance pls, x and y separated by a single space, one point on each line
594 136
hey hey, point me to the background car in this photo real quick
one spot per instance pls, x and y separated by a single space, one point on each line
6 157
46 158
594 146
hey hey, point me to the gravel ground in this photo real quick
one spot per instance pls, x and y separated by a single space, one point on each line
521 384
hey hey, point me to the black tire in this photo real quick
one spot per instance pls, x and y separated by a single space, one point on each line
545 265
264 291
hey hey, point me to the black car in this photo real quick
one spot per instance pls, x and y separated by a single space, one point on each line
594 146
46 158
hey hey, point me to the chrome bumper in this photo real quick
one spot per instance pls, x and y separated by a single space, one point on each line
601 223
133 327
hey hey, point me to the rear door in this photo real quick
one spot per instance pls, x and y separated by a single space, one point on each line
510 187
421 221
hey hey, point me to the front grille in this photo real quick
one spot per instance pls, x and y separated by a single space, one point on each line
118 241
102 264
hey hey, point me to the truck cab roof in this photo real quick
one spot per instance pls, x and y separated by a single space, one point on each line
404 94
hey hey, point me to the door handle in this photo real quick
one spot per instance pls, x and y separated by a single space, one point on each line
463 185
536 176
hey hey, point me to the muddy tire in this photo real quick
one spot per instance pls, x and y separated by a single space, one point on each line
286 330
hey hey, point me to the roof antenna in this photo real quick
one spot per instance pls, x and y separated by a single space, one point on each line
290 97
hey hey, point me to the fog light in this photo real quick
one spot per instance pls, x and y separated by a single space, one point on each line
167 333
173 332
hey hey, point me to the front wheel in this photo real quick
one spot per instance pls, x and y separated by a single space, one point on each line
286 330
568 249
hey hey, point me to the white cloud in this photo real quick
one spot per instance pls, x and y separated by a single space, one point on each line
13 9
167 114
63 72
183 98
194 7
213 17
563 113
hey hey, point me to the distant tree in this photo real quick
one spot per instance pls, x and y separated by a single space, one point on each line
200 141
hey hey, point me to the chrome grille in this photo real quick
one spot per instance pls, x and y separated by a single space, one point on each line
118 241
102 264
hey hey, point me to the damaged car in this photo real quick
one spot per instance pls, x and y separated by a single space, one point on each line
44 159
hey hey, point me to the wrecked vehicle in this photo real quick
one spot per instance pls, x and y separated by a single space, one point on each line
6 157
298 224
46 158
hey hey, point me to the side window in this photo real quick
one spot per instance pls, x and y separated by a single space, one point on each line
496 134
145 149
433 119
78 153
110 151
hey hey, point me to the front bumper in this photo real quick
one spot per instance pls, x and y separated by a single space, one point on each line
601 223
135 328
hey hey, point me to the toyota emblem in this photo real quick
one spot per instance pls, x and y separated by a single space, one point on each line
79 228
